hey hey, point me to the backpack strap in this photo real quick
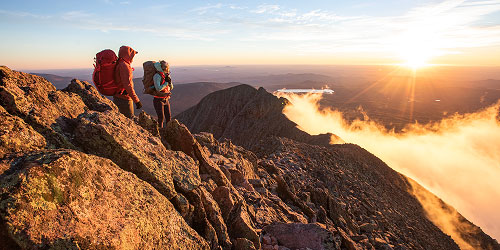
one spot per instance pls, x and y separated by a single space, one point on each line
162 77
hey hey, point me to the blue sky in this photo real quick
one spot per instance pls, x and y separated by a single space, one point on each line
67 34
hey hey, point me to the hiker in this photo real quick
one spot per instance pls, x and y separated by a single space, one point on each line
162 84
125 98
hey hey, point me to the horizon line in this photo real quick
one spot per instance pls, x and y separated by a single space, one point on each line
272 65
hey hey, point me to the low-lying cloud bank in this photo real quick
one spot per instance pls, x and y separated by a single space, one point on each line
458 158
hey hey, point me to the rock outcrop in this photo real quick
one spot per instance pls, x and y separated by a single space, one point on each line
64 199
76 174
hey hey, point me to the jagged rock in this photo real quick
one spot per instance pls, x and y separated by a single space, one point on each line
148 123
347 242
243 244
298 235
285 192
90 96
64 199
184 207
235 156
179 137
223 197
367 227
17 136
214 215
38 103
209 167
200 221
241 226
353 186
121 140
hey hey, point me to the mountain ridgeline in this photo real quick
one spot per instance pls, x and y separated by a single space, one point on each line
76 174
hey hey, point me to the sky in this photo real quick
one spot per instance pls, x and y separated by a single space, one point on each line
68 34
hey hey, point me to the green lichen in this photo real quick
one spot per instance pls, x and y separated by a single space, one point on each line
55 190
37 191
45 193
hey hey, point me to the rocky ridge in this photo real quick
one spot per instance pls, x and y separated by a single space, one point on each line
246 115
76 174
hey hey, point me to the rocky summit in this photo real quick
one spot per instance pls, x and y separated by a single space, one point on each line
76 174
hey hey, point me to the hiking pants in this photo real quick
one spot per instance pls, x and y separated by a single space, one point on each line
126 107
162 107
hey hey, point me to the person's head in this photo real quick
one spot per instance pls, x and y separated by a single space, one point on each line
127 53
164 66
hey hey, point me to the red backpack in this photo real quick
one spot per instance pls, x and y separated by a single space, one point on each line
104 72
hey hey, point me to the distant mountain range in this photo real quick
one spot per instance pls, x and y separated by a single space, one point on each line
59 82
384 100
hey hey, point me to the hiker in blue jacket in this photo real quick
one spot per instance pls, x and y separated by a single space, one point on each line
162 83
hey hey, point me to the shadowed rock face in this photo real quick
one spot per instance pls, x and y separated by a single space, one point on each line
246 116
64 199
84 176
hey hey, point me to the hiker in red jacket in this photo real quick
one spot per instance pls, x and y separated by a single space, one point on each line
124 99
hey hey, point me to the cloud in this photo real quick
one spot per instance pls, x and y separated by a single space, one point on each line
76 15
24 14
449 27
204 9
266 8
456 158
444 28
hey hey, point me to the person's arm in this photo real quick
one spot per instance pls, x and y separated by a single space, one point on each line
126 77
170 84
157 81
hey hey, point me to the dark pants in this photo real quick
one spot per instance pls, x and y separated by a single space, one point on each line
162 107
126 107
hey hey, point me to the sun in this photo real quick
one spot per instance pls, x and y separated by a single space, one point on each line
416 58
416 48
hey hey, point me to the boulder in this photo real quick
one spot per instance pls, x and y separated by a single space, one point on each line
118 138
90 96
64 199
16 136
179 137
347 242
241 226
235 156
299 235
148 123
